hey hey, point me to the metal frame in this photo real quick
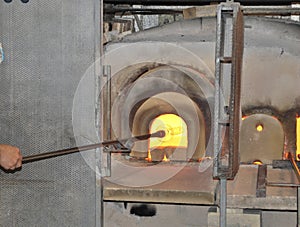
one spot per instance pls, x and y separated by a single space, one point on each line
227 116
99 155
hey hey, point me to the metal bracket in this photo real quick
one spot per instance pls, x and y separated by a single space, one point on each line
106 74
115 149
261 181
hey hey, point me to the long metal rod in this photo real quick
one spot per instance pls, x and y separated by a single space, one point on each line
99 203
52 154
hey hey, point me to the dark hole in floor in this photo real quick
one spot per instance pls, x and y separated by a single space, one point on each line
143 210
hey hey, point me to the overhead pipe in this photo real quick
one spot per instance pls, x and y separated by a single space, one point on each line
198 2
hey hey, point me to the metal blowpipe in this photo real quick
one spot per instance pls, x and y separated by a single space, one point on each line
52 154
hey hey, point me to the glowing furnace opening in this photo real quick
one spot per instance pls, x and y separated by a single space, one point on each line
176 135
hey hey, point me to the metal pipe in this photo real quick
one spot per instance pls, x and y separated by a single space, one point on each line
53 154
247 11
223 201
273 184
198 2
107 74
99 204
143 11
270 10
293 162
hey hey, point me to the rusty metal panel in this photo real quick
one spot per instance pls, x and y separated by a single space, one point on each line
229 55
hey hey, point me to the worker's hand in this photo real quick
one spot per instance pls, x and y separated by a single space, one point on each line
10 157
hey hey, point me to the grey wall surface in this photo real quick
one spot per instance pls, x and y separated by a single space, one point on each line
48 47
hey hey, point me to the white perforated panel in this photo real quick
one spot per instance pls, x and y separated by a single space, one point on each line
48 46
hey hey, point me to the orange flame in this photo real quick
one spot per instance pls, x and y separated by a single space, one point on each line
165 159
149 157
258 162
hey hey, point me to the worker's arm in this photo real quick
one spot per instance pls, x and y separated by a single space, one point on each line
10 157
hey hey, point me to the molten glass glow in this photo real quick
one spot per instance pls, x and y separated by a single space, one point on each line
258 162
298 137
259 127
176 132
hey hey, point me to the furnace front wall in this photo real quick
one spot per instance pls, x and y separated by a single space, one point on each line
271 73
271 65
